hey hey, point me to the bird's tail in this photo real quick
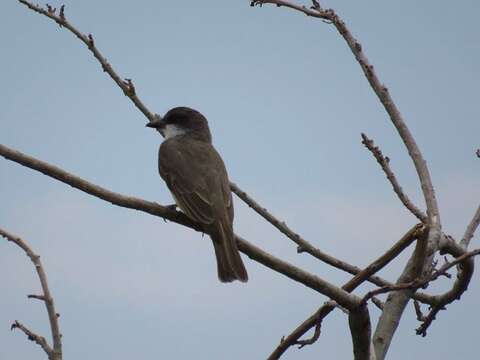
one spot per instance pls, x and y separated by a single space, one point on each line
229 263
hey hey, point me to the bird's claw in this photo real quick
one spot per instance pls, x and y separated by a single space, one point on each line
172 207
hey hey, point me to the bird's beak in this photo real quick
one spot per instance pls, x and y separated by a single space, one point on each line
157 122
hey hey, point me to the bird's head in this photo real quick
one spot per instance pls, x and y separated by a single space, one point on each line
181 121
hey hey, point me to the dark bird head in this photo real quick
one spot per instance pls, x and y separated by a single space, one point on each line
182 121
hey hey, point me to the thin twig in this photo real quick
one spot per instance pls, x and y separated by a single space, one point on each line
471 228
385 164
418 310
125 84
40 340
421 283
465 264
305 246
46 297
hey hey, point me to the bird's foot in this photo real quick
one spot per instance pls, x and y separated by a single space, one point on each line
172 207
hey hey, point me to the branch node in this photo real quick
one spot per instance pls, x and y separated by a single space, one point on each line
38 297
129 87
90 41
51 10
316 6
62 13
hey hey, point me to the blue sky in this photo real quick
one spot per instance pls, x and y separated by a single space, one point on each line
286 103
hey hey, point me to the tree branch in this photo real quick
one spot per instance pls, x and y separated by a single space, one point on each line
465 267
129 90
383 95
361 331
56 352
413 150
385 164
125 84
471 228
314 282
316 319
40 340
305 246
418 283
396 302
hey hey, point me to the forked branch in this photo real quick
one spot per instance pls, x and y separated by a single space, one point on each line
54 353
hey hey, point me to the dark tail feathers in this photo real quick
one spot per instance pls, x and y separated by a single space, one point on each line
229 263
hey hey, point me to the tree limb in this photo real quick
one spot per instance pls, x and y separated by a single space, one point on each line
413 150
352 284
470 230
56 352
305 246
396 302
129 90
465 272
383 95
125 84
345 299
385 164
361 331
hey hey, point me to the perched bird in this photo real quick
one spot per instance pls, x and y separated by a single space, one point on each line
196 176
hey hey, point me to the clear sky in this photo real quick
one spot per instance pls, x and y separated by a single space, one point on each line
286 103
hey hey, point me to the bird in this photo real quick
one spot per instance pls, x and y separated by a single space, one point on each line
197 178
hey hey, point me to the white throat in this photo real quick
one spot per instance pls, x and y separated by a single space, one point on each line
172 130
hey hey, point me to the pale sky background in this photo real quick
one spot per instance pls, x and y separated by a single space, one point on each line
286 103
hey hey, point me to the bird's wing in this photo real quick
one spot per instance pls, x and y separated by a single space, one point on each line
196 176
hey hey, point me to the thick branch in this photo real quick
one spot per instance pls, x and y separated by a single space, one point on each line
56 352
421 168
314 282
361 331
357 280
396 302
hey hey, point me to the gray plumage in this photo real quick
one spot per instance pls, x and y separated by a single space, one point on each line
196 176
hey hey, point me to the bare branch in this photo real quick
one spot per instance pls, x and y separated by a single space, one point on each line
129 90
396 302
357 280
399 299
305 246
385 164
56 352
361 331
126 85
418 310
293 338
384 96
40 340
465 263
314 282
471 228
418 283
